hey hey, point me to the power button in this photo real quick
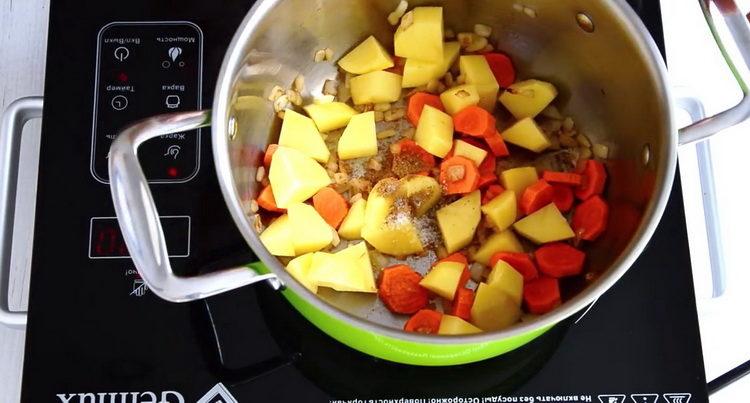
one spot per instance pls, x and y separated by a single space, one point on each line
122 53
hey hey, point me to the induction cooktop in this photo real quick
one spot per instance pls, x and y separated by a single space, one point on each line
96 334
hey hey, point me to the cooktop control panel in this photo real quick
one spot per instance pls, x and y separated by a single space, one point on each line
145 69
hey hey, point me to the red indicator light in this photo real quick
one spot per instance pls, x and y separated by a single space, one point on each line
122 77
172 172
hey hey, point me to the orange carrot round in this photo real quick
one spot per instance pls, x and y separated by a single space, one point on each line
267 202
594 178
462 303
563 178
268 156
400 290
424 321
459 175
497 144
559 260
502 68
541 295
536 196
331 206
563 198
474 121
590 218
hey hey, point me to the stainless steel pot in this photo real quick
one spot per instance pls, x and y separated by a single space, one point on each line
598 53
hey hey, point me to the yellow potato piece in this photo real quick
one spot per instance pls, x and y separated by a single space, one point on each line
504 241
518 179
300 133
502 211
420 34
525 133
351 227
493 309
458 98
434 131
443 279
348 270
277 238
367 57
310 233
545 225
472 152
423 192
295 177
389 225
507 279
360 138
459 220
330 116
375 88
453 325
451 50
477 72
526 99
419 72
299 268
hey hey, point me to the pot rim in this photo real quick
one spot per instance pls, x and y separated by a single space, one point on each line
651 217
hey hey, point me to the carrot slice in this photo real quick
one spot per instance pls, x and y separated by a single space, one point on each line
594 178
502 68
331 206
492 192
536 196
267 202
559 260
409 158
520 261
400 290
417 103
541 295
398 66
474 121
424 321
268 156
590 218
462 303
563 198
459 175
486 179
497 144
563 178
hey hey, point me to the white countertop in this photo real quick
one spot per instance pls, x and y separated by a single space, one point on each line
694 64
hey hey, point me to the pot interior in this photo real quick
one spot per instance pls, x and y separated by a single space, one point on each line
610 82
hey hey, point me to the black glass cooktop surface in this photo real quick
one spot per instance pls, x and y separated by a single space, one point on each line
97 335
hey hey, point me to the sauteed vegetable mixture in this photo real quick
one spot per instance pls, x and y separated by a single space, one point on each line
438 154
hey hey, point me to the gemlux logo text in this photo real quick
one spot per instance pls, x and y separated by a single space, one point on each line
122 397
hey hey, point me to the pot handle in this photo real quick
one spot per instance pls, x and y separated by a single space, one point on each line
139 219
738 27
15 117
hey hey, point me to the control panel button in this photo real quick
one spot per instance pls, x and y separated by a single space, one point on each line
143 70
173 101
119 102
122 53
